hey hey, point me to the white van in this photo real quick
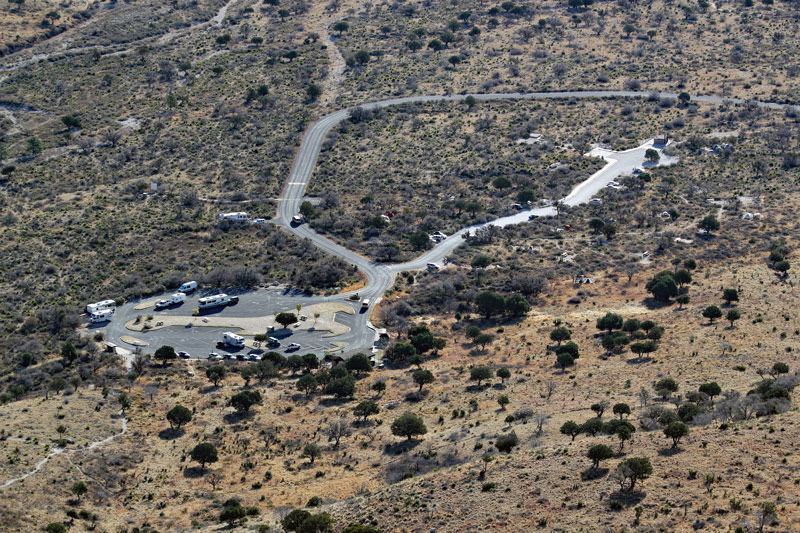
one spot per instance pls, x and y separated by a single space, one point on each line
232 339
365 304
99 306
104 315
213 301
297 220
189 286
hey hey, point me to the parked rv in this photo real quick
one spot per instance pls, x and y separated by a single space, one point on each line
104 315
176 299
365 304
213 301
99 306
189 286
297 220
232 339
237 217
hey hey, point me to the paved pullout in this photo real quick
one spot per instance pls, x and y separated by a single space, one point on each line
381 276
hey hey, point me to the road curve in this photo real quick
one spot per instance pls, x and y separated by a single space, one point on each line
381 276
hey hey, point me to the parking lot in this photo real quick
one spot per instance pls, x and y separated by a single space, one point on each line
200 340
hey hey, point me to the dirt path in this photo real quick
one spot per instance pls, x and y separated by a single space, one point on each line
321 19
59 451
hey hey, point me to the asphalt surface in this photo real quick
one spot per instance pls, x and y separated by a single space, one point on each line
381 276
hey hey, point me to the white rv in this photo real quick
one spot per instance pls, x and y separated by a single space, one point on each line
238 217
104 315
297 220
232 339
99 306
189 286
175 299
213 301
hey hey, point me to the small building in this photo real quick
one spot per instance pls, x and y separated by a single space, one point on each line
661 140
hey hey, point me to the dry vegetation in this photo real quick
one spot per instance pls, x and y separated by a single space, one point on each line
162 96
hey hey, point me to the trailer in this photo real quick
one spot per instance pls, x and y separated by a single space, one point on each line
217 300
100 306
232 339
175 299
237 217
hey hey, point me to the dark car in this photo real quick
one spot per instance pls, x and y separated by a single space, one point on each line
234 300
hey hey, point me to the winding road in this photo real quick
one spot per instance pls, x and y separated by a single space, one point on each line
381 276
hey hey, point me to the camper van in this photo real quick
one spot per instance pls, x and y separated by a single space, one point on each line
213 301
189 286
297 220
175 299
104 315
365 304
232 339
99 306
237 217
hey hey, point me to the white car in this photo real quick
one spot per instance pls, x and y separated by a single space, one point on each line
254 357
293 347
259 221
162 304
595 201
184 355
637 171
215 356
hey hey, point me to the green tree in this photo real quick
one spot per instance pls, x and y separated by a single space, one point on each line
204 453
454 60
643 347
633 470
775 256
615 341
592 427
621 409
564 360
662 286
307 383
358 363
216 373
420 240
596 225
490 304
124 403
517 305
570 428
651 154
480 374
422 377
730 295
178 416
232 514
732 316
481 261
286 319
341 27
401 352
682 277
709 224
79 488
366 408
342 387
710 389
293 520
712 312
361 57
35 146
307 209
560 334
666 386
506 443
54 527
311 451
783 267
244 400
69 353
631 325
599 452
609 322
503 374
483 339
503 401
164 354
313 91
310 361
682 299
676 431
316 523
71 122
408 425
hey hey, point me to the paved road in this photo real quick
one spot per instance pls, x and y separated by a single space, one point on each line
381 276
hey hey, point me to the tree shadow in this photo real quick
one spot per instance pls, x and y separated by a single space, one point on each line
401 447
628 499
639 361
652 304
235 417
477 388
499 386
669 452
333 402
193 472
593 473
206 390
171 433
